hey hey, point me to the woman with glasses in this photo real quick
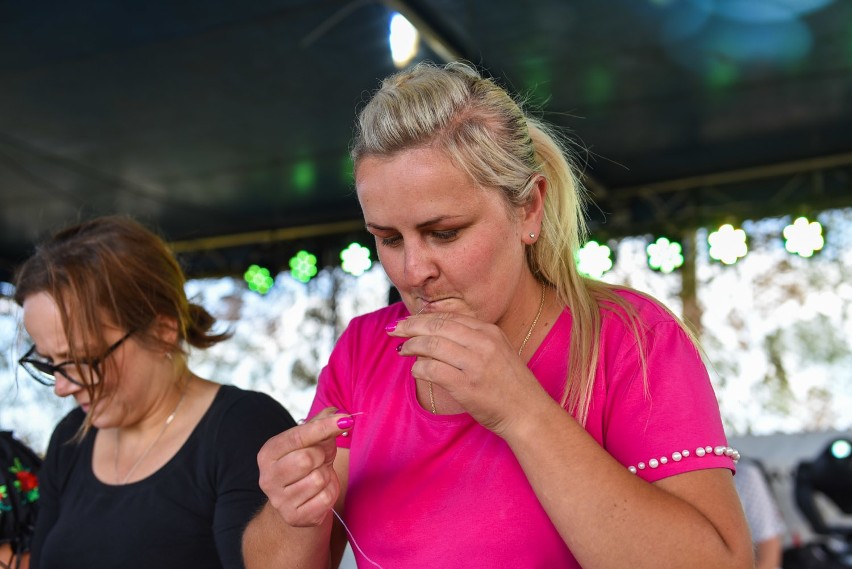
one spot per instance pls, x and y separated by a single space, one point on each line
155 467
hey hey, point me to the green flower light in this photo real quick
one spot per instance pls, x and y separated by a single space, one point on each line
303 266
258 279
664 255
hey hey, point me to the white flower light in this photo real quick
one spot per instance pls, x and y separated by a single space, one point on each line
664 255
593 259
803 238
356 259
727 244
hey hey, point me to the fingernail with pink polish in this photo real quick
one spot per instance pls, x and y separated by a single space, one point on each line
392 326
345 422
399 348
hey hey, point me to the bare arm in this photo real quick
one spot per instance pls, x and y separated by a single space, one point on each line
303 475
609 517
8 559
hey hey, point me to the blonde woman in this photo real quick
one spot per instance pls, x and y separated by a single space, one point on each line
508 412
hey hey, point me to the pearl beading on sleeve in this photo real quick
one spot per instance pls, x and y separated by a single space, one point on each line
677 456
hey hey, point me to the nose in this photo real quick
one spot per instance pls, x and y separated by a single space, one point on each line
63 387
420 264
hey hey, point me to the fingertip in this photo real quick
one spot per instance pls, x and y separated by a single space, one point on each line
345 423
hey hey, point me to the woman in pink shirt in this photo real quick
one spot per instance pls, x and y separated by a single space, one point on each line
508 412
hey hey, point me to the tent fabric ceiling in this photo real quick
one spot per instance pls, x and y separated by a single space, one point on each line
226 125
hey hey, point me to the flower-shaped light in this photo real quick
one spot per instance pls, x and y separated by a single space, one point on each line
594 259
303 266
803 238
356 259
727 244
664 255
258 279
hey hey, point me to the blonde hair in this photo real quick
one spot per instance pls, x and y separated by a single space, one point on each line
486 133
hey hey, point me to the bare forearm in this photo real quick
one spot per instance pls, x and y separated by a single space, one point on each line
610 518
269 542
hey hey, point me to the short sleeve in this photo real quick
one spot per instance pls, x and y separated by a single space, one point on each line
667 422
357 358
246 424
334 386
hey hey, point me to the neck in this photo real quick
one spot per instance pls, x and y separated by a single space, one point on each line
142 455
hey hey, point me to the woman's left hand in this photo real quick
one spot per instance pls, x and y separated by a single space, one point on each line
474 362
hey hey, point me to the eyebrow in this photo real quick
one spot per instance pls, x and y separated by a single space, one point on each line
422 225
61 357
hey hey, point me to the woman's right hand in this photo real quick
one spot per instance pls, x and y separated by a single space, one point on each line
297 469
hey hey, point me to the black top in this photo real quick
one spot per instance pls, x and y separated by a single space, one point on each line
189 514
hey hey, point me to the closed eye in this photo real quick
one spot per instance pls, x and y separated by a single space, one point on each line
390 241
446 235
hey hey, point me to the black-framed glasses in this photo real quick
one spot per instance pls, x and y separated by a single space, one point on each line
45 372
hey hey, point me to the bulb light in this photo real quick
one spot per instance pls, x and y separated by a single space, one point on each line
403 39
841 449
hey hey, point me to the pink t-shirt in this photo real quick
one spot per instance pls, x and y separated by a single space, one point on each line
431 491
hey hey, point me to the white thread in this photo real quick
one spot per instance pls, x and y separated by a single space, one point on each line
355 543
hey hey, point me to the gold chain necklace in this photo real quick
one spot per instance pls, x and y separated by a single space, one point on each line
521 349
535 321
139 460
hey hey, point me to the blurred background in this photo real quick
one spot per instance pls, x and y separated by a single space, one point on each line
713 137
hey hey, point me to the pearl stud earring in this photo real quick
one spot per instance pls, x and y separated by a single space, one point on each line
532 235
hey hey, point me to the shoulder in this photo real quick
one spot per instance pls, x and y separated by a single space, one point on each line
648 309
231 398
628 313
236 406
638 332
14 451
370 327
378 319
67 427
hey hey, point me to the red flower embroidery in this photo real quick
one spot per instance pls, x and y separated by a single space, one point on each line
27 480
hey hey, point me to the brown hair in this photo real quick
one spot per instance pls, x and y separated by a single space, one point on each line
114 270
486 133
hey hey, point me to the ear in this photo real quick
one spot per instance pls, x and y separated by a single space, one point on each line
533 211
166 329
